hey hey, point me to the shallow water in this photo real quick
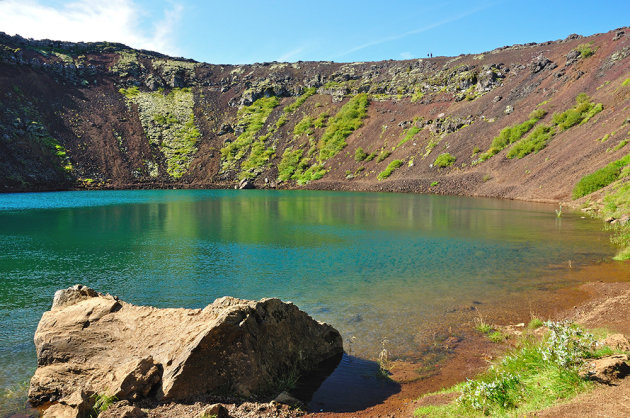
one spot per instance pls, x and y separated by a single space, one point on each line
378 267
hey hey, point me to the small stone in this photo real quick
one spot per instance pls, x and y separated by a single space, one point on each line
508 109
497 99
215 410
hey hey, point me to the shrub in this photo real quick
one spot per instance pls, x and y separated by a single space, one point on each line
304 126
444 160
534 142
585 50
390 169
360 155
600 178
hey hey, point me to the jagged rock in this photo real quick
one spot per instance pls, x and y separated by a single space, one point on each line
540 63
618 35
497 99
617 342
572 57
76 405
246 184
607 369
508 109
90 343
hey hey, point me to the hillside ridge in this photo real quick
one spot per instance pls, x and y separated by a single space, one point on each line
103 115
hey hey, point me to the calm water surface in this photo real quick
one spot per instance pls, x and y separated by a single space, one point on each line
375 266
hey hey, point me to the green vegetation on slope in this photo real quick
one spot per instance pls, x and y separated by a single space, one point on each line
511 134
300 100
289 164
169 123
600 178
252 118
391 167
444 160
347 120
532 376
617 205
533 142
581 113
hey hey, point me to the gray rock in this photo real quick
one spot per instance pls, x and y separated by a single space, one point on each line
508 109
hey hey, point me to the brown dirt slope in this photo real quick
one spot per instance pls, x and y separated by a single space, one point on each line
66 123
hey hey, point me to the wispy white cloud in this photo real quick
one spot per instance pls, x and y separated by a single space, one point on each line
90 20
291 55
413 32
406 55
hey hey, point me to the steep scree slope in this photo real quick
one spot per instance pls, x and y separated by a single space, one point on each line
101 115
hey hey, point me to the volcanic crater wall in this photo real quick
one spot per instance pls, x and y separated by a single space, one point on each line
524 121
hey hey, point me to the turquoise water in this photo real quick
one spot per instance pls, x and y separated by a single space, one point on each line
376 266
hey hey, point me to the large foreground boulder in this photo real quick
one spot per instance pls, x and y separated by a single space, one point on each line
95 344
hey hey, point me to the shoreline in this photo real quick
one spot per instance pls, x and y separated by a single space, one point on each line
581 303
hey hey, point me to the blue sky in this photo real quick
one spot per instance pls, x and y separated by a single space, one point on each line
247 31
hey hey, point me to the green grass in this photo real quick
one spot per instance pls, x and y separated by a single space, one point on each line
617 204
600 178
434 183
532 376
581 113
360 155
497 337
511 134
300 100
625 82
253 117
410 133
289 163
535 323
304 126
444 160
347 120
391 167
533 142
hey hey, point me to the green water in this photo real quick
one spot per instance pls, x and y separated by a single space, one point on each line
376 266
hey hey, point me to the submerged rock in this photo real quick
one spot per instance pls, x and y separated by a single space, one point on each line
90 343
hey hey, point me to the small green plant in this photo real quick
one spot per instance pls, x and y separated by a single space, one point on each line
482 326
370 157
559 212
360 155
434 183
535 323
625 82
102 402
444 160
391 167
497 336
